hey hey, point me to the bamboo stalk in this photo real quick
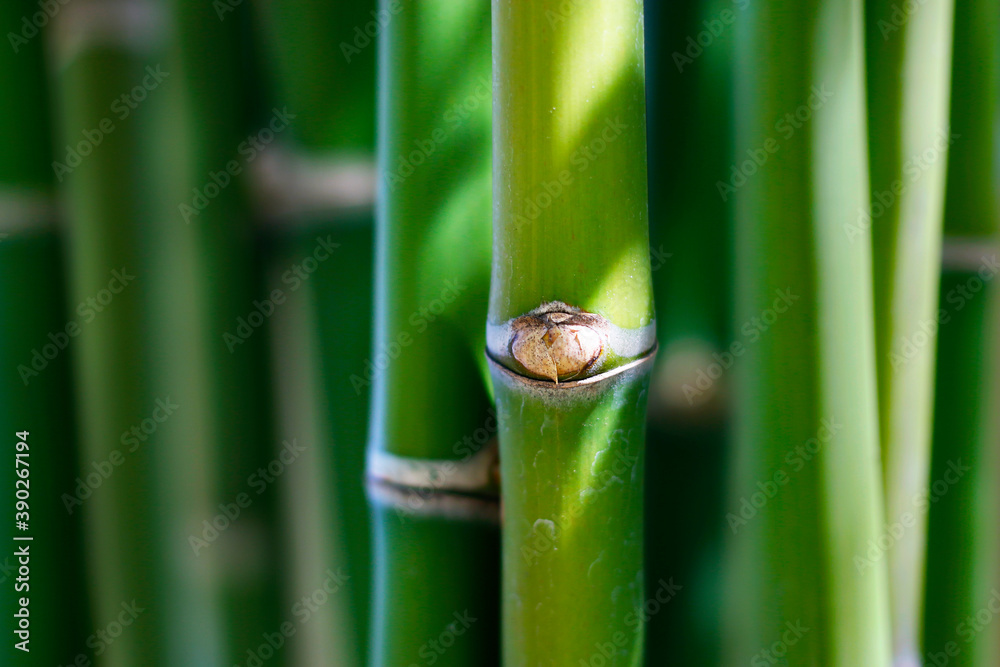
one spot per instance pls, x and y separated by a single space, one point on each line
323 60
690 139
35 388
435 540
343 288
105 192
806 433
909 72
570 327
322 56
963 549
203 280
317 550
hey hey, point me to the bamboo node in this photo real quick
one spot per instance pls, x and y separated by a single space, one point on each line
559 344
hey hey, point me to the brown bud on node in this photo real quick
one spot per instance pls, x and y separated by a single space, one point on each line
557 345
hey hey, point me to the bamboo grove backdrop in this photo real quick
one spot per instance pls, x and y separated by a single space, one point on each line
328 333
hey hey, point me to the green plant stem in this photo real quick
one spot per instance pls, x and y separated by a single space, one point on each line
35 387
126 548
317 66
571 225
427 394
572 471
909 72
963 546
690 139
808 381
316 540
340 293
203 278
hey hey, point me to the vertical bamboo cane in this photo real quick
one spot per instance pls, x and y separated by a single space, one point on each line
102 52
690 140
909 72
203 279
323 57
806 398
570 328
429 465
963 549
35 387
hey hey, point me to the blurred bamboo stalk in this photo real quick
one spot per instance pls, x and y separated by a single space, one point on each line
909 73
807 493
35 388
961 492
204 280
430 466
690 138
322 184
103 50
315 521
690 142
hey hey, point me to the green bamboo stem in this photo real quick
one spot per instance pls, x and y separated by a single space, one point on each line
808 380
690 139
571 225
909 72
427 393
342 288
321 62
35 393
963 548
105 200
316 545
204 278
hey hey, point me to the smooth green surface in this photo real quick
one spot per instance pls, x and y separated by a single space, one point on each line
970 202
203 275
126 546
436 591
794 560
35 386
432 263
25 132
690 140
572 485
570 219
55 587
433 84
961 497
909 73
323 55
323 60
963 542
343 305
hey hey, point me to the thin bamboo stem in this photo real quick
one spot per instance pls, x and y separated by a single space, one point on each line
323 59
105 194
909 72
690 139
36 387
571 327
435 563
204 278
807 496
963 545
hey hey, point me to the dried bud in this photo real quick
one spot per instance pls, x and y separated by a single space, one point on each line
557 345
